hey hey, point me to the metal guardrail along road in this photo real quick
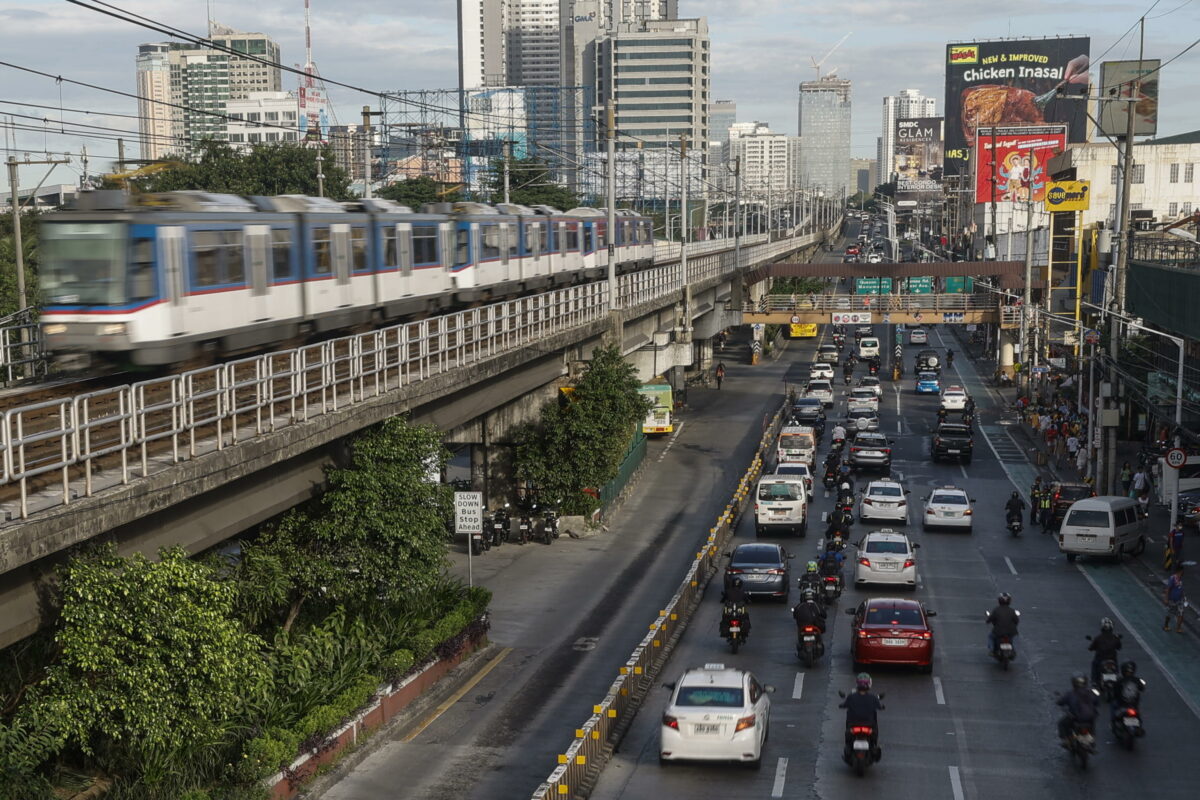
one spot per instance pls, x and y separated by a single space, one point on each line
84 444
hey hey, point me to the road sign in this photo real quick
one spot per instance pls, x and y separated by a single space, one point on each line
795 319
899 337
1091 337
1176 457
887 319
1040 370
851 318
468 512
899 351
920 285
953 316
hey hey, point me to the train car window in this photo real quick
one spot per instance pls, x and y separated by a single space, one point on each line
322 251
533 239
425 244
462 247
358 249
601 231
553 238
490 237
141 269
235 264
391 257
572 237
207 254
514 243
281 254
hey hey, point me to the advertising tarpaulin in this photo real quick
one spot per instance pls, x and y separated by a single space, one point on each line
1016 159
1068 195
1014 82
1117 81
918 158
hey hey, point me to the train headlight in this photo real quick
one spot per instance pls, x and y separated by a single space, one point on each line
115 329
54 330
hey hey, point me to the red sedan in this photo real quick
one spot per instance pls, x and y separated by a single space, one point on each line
891 630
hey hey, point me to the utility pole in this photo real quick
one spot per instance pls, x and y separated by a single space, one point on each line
995 228
120 155
320 174
1027 317
508 157
366 122
14 185
610 135
738 220
684 223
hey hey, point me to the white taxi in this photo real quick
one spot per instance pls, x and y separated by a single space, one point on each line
883 500
948 507
715 714
872 383
954 398
886 556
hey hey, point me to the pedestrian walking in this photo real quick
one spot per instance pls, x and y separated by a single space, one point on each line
720 373
1081 461
1144 502
1035 495
1073 446
1173 552
1176 600
1141 482
1126 477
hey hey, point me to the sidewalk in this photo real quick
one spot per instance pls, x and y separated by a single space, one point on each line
1150 563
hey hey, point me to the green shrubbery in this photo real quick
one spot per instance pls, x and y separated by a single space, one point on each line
199 677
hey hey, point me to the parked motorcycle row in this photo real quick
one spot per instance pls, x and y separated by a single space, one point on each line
533 523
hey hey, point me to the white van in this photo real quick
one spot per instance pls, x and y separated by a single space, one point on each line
1102 526
868 347
781 504
796 443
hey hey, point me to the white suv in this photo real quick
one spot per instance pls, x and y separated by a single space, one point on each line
715 714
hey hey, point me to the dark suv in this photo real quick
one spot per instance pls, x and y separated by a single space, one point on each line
952 440
1063 494
928 361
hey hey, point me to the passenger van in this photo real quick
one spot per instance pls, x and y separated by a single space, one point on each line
868 347
781 504
796 443
1102 526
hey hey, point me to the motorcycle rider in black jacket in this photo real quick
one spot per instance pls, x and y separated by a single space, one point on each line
1004 620
1082 706
862 708
1104 648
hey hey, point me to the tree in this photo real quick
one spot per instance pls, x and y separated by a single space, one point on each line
152 666
267 169
9 301
579 445
530 184
416 192
378 534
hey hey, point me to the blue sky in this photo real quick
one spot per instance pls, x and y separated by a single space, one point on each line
761 50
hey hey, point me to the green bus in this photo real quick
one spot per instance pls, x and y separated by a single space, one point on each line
658 419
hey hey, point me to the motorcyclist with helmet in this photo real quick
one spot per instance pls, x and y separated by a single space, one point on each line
733 606
862 708
1004 620
1013 508
1082 705
1129 688
831 560
838 434
1104 647
811 579
808 612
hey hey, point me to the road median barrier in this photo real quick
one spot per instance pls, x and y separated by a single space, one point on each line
595 741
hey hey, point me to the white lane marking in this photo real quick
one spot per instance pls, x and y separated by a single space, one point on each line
780 778
798 686
1146 647
956 783
937 691
671 443
963 470
897 389
1011 568
898 428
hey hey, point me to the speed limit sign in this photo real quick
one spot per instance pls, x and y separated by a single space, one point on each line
1176 457
795 319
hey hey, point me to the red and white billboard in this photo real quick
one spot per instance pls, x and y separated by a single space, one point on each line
1010 162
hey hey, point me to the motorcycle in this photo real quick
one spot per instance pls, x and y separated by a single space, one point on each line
1127 725
1108 680
874 369
549 525
1082 743
732 617
862 755
833 588
500 521
1014 524
847 378
478 544
810 647
1004 652
524 528
830 479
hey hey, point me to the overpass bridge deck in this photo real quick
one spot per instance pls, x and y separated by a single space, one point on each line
915 309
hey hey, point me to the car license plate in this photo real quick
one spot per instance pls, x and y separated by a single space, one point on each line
872 453
1132 722
757 578
706 729
1086 537
779 512
862 744
895 642
950 514
1006 646
810 638
954 452
887 566
886 505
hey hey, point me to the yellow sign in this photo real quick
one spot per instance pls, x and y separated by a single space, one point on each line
1068 195
803 331
964 54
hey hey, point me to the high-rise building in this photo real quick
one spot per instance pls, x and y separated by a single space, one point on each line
722 114
824 126
262 118
910 103
154 93
864 173
481 43
200 83
532 47
770 162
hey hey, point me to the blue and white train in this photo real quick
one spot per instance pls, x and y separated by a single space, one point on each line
166 278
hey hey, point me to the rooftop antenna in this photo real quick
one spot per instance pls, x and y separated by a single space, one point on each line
817 64
210 19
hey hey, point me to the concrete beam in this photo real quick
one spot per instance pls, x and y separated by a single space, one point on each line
906 317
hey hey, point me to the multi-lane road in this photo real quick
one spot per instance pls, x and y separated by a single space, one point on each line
566 617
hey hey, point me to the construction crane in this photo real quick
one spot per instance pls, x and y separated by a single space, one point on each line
817 64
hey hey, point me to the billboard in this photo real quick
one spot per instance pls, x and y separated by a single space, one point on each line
1015 158
1117 79
918 158
1068 195
1012 83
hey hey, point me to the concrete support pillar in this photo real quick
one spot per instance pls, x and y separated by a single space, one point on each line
1006 352
704 354
479 471
501 483
737 293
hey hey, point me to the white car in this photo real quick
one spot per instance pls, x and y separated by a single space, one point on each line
843 303
821 369
715 714
874 258
918 336
884 500
948 507
954 398
828 353
862 397
868 347
886 556
872 383
822 390
798 468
